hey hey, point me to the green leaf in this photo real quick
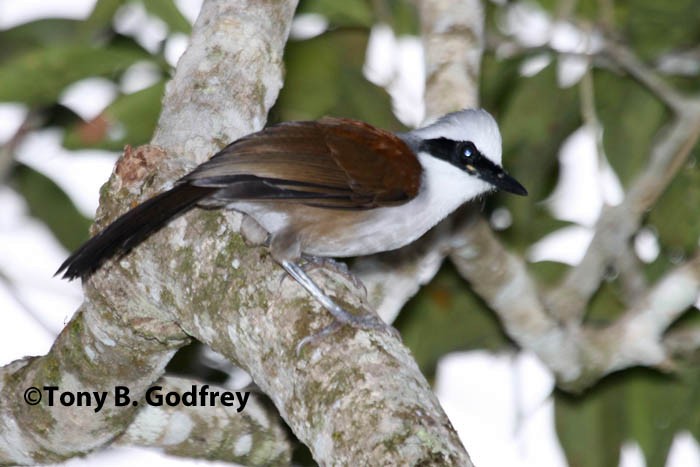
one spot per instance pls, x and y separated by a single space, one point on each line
130 119
606 304
39 76
655 27
631 117
49 203
35 35
100 18
638 404
346 13
324 77
170 14
590 427
446 316
675 215
403 16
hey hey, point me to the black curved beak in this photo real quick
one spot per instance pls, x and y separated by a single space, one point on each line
501 180
496 176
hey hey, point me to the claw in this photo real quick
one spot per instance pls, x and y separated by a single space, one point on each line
342 317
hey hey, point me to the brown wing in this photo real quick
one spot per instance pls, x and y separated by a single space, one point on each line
335 163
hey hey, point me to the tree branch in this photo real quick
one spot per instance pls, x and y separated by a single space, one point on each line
212 286
578 355
255 436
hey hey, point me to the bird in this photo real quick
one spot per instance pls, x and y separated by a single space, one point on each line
328 188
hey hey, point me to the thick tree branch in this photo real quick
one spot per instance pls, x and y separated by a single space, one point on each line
96 351
249 437
232 296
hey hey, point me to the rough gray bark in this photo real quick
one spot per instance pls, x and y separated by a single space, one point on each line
198 277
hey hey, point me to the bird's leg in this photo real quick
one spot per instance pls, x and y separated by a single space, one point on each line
368 321
338 266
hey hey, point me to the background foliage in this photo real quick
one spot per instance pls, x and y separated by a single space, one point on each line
38 60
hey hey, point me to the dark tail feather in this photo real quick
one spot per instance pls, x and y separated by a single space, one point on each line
131 229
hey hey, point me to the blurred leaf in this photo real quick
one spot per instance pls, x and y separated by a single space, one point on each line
531 142
100 18
39 76
347 13
324 77
654 27
656 408
401 15
170 14
446 316
631 118
130 119
606 304
28 36
49 203
590 427
675 216
548 273
637 404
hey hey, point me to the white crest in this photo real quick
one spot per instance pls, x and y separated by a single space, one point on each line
475 125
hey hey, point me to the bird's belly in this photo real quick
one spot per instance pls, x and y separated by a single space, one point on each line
344 233
358 233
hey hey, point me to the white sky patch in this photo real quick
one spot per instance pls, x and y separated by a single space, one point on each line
89 97
501 218
646 245
139 76
14 13
531 26
79 173
379 66
11 117
631 455
189 8
684 452
527 23
533 65
566 245
585 182
121 456
133 20
308 25
570 70
681 64
398 65
506 418
175 46
39 304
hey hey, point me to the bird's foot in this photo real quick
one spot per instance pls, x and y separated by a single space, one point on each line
314 262
368 322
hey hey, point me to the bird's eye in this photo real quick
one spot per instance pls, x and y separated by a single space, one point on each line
469 151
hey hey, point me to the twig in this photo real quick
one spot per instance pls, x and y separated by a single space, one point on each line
578 355
645 75
617 224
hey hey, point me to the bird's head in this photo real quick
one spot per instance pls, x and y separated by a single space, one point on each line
470 141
